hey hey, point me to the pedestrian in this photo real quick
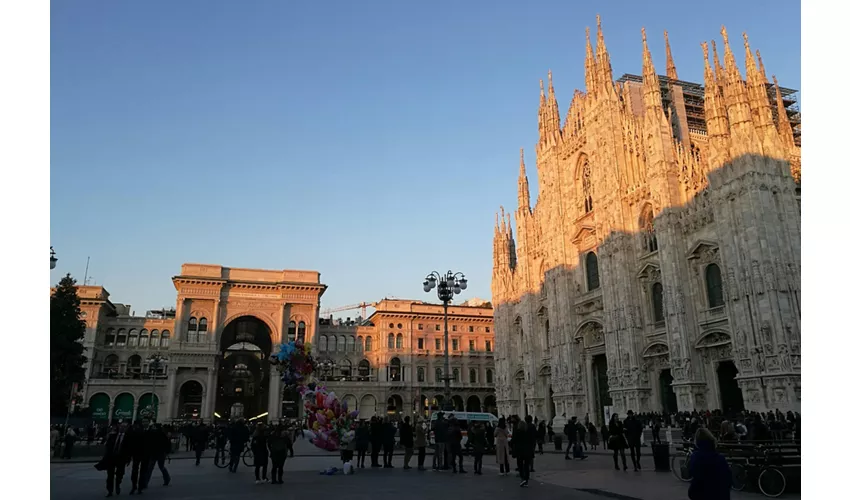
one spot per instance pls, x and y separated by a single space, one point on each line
419 443
260 449
405 439
70 439
220 444
159 447
711 478
389 431
115 459
502 451
361 437
523 440
540 435
279 444
617 441
377 436
200 437
582 435
440 429
138 449
479 443
550 431
594 435
634 432
54 439
571 431
656 430
239 436
455 439
605 434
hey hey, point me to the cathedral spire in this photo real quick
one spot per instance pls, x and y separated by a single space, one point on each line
554 113
715 116
542 114
718 68
761 66
524 198
753 73
603 60
671 68
732 72
589 65
786 133
651 86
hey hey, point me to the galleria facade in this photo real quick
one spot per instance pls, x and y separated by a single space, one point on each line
659 269
217 341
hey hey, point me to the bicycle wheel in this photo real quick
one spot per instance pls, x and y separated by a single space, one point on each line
222 458
739 476
248 458
772 482
679 465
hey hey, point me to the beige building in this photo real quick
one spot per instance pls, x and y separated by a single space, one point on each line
659 268
226 323
393 363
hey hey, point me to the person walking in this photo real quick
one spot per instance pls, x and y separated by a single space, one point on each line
239 436
594 435
377 436
455 446
582 435
405 439
260 449
279 444
200 436
69 440
502 452
419 443
605 434
138 449
479 442
540 435
440 428
656 430
634 431
617 441
711 478
571 432
159 448
523 444
361 437
389 431
115 459
220 444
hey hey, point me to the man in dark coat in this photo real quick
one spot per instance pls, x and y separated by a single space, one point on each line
377 435
709 470
139 453
440 436
159 447
455 437
405 439
200 438
571 431
633 430
239 435
523 444
115 458
389 443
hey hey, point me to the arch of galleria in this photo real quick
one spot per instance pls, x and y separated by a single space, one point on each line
227 322
659 269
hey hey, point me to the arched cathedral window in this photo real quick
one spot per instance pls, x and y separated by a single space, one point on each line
591 268
657 303
586 187
714 285
647 230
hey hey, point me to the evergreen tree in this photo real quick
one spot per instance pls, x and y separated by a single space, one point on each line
67 331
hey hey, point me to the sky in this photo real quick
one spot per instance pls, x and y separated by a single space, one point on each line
372 141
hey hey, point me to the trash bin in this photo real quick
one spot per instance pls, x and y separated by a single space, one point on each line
661 457
559 441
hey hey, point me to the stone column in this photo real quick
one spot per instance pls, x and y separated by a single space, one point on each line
590 387
286 311
178 321
135 410
213 337
209 395
169 397
274 396
111 411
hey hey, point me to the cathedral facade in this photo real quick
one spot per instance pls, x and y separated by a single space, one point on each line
659 269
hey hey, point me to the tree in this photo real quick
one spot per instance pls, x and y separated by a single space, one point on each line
67 331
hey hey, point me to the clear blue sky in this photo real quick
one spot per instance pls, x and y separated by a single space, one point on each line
372 141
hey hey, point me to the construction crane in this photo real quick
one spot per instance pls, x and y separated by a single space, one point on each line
362 306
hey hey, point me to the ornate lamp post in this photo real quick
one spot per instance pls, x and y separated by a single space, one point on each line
447 285
155 362
53 258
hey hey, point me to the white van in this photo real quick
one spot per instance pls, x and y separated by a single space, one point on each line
465 419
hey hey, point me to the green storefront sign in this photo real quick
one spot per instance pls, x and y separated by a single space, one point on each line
123 407
148 406
99 404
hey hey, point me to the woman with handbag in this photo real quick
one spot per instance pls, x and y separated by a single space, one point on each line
617 441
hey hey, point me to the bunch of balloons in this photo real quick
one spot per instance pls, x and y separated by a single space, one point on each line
294 362
329 422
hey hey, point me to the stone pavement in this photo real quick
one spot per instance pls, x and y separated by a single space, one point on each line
554 478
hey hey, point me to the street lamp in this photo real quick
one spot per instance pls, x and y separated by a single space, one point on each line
53 258
155 362
447 285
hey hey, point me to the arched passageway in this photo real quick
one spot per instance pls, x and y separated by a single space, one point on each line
244 370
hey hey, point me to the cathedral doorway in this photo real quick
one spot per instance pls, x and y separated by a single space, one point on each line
599 369
668 396
244 369
731 397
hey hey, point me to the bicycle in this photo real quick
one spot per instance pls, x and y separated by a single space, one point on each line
222 459
680 464
771 481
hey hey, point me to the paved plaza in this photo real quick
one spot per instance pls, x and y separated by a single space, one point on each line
591 479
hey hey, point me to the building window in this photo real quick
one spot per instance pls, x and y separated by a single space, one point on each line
345 368
110 364
134 338
437 327
360 343
332 344
420 326
473 376
489 375
438 375
154 338
291 332
395 370
438 344
487 346
456 375
486 329
399 326
143 338
323 343
392 325
454 328
647 230
122 338
471 329
591 268
399 342
420 374
192 336
471 345
546 326
302 331
368 343
586 187
455 346
714 286
391 341
351 345
202 330
421 343
657 303
110 337
166 338
363 368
